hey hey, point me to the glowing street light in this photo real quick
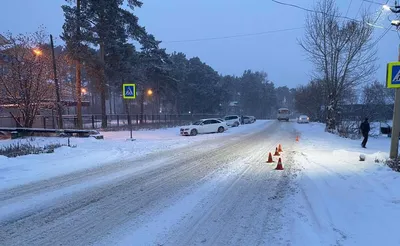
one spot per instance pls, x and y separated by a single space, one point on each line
386 7
83 91
37 52
395 22
149 92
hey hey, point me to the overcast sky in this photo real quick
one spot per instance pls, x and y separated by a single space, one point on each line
277 53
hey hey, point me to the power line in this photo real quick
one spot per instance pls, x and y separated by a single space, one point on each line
338 16
380 13
369 1
233 36
359 9
348 8
320 12
386 31
313 11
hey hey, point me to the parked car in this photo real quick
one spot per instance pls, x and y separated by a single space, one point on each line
222 120
247 120
252 119
232 120
204 126
303 119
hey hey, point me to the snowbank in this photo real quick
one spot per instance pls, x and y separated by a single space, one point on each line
341 200
90 152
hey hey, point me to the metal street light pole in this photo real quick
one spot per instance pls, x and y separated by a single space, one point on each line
394 145
59 107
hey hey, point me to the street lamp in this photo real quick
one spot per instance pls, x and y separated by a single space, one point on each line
37 52
149 92
396 8
386 7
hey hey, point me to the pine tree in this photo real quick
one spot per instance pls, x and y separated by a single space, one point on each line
107 25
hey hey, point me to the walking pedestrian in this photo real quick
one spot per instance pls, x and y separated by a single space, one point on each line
365 128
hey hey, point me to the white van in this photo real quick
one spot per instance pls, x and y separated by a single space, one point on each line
283 114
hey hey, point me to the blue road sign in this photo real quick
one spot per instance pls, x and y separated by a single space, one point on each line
393 75
129 91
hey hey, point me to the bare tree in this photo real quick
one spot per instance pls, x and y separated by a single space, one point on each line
342 52
25 79
309 98
377 100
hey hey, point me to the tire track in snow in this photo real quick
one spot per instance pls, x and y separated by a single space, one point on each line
77 177
252 206
87 216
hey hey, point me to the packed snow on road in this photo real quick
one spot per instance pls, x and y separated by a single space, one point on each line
89 153
213 189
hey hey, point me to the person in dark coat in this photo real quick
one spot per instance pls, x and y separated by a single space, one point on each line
365 128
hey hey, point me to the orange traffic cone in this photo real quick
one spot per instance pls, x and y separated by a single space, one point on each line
270 160
297 138
280 148
279 166
277 152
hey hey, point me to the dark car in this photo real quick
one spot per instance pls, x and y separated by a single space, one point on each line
248 119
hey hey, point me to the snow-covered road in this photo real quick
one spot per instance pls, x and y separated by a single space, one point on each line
217 191
200 193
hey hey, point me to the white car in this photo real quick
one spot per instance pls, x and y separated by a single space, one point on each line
303 119
232 120
204 126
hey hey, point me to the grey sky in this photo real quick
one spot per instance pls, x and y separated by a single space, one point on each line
278 54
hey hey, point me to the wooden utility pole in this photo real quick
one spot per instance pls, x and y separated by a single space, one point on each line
78 79
103 88
59 106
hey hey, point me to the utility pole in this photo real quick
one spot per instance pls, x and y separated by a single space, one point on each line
142 107
394 145
78 79
158 97
59 107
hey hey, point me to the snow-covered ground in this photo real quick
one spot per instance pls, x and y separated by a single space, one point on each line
221 192
90 152
341 200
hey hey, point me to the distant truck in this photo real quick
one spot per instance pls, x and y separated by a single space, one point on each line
283 114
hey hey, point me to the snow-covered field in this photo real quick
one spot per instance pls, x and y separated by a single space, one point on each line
90 152
341 200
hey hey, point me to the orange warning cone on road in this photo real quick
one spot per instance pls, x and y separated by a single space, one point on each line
279 166
280 148
277 152
270 160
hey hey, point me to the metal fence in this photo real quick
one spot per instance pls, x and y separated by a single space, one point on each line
119 121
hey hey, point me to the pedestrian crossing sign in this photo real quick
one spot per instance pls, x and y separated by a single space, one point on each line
129 91
393 75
